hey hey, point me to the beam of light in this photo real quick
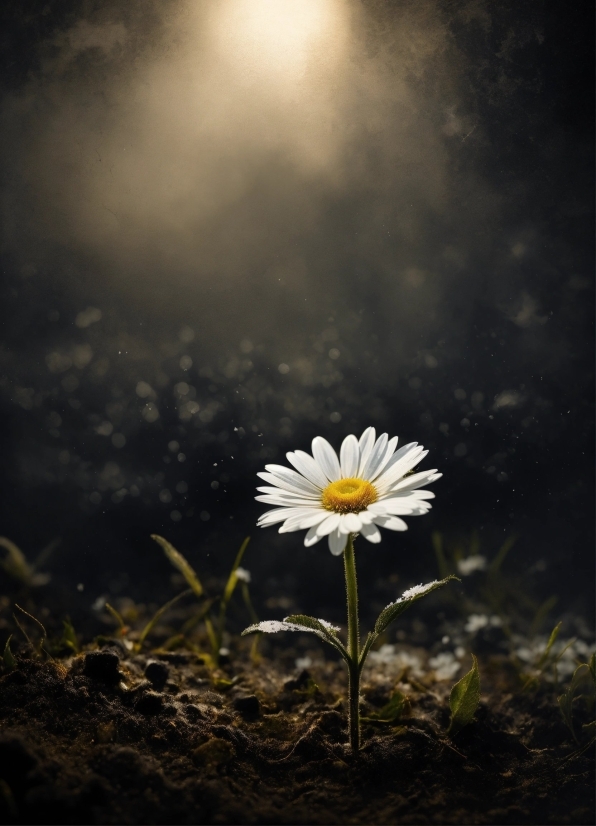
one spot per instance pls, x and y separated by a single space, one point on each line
279 39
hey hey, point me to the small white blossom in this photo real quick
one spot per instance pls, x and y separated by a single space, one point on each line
445 665
467 566
242 574
476 622
397 660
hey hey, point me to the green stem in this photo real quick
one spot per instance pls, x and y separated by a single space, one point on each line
353 644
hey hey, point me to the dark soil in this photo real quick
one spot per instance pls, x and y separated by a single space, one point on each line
113 737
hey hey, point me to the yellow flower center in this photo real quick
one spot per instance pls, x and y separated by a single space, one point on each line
348 496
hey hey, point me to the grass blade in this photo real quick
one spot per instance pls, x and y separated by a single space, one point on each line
179 562
158 614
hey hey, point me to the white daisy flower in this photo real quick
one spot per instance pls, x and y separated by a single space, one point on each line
370 486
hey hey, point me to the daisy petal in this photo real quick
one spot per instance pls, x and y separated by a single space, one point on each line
294 502
389 451
393 523
370 467
303 521
273 516
328 525
306 465
312 537
366 443
366 517
409 494
306 519
337 542
284 476
399 465
424 477
398 507
350 523
372 533
326 458
349 457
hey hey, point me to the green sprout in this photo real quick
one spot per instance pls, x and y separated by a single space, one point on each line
37 645
215 628
582 685
369 486
464 699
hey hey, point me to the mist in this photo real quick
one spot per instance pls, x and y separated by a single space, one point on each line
231 226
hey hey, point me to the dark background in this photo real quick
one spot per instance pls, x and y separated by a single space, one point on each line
410 232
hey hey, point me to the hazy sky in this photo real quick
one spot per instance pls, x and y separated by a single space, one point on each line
339 213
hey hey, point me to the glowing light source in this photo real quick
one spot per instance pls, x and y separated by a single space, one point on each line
279 36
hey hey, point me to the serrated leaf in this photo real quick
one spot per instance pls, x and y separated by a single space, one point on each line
8 658
394 609
270 627
322 629
179 562
464 699
300 622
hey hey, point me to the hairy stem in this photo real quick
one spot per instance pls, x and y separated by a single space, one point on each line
353 644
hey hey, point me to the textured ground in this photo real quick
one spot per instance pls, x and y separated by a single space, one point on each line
111 737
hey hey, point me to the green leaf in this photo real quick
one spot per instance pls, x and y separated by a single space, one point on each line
233 578
551 641
566 699
300 622
69 637
398 706
9 661
592 666
394 609
179 562
158 615
464 699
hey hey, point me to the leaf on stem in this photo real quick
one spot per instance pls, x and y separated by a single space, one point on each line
394 609
464 699
300 622
179 562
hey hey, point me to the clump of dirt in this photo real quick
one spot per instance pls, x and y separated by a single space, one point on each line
109 736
